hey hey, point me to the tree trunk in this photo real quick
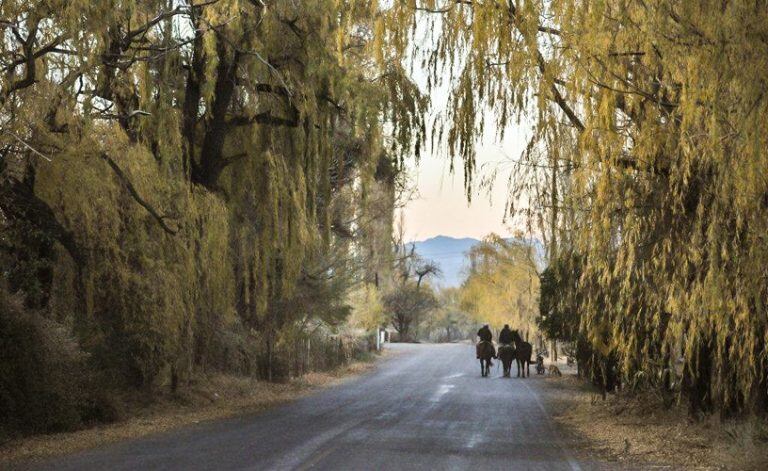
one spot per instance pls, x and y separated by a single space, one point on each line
211 159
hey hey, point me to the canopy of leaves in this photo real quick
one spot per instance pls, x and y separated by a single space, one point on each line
408 305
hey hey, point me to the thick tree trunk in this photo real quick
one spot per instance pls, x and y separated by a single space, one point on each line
212 162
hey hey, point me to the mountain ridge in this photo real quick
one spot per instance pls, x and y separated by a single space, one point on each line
450 254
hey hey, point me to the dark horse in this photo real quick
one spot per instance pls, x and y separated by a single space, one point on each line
523 352
485 352
506 355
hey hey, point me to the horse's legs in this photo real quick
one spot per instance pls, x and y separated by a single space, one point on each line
528 366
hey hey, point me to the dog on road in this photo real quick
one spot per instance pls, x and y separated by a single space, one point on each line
554 371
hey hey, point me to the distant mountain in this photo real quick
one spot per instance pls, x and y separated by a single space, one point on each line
450 253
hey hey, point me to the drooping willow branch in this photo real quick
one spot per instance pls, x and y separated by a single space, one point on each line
126 182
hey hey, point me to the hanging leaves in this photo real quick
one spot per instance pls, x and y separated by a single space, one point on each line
656 115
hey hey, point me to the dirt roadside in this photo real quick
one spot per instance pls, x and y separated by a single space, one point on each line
639 433
211 397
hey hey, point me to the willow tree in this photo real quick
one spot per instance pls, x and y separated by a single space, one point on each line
176 174
654 112
502 285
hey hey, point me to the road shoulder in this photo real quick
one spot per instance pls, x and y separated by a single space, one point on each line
638 432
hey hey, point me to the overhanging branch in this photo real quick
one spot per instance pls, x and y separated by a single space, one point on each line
265 118
135 194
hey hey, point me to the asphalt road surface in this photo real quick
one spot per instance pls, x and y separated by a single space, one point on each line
424 408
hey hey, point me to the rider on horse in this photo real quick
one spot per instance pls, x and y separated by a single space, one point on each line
486 338
505 336
485 333
506 352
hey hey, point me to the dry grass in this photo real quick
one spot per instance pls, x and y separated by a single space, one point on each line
639 431
209 398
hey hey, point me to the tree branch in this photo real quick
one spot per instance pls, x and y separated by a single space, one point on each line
265 118
449 7
179 10
31 69
135 194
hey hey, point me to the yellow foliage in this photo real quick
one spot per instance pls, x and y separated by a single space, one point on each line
654 113
367 308
503 285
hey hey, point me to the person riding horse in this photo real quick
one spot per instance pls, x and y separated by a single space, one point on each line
506 351
505 336
485 350
485 334
486 339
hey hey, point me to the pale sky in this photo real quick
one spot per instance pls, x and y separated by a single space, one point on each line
440 205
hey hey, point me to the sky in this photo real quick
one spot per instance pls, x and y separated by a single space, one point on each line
439 205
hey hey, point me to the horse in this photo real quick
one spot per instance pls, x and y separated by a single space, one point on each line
485 352
506 355
523 351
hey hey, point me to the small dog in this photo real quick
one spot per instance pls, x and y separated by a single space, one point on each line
554 371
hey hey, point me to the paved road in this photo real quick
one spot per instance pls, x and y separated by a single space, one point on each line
425 408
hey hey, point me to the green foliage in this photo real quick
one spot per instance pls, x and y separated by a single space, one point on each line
367 308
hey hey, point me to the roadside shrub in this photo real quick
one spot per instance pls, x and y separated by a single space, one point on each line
41 372
233 349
